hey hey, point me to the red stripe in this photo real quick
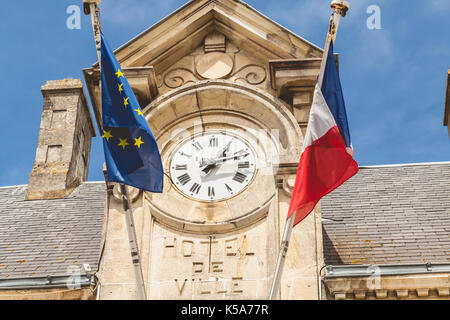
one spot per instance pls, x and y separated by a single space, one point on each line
323 167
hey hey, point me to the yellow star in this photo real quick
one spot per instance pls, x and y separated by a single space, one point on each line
138 142
139 112
125 102
107 135
121 87
123 143
119 74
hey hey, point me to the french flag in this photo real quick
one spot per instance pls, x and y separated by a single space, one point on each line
327 158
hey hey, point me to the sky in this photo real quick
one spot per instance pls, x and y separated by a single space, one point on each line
393 78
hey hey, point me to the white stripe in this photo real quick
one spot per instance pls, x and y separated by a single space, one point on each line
321 119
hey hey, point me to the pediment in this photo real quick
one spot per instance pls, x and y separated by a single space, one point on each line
184 30
186 47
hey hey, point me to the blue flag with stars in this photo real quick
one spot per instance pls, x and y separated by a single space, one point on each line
131 152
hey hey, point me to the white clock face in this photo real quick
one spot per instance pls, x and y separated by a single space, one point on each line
213 166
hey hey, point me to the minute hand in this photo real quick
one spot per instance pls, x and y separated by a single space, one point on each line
231 158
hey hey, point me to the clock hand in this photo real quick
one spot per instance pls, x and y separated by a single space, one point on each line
208 169
222 153
225 150
224 159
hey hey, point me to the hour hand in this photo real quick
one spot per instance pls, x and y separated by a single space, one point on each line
225 150
208 168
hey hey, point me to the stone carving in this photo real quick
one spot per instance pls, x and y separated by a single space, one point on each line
178 77
252 74
214 65
210 267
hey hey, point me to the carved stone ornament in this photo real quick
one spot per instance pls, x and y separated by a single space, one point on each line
217 68
251 74
215 65
179 77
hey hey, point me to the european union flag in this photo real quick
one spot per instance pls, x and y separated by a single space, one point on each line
131 152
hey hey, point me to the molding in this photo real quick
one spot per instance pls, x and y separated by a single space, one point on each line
412 287
384 270
47 282
406 165
287 75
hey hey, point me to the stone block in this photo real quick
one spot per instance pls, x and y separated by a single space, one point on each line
443 292
423 292
401 294
381 294
360 294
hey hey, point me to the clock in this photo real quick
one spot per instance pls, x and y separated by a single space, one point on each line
213 166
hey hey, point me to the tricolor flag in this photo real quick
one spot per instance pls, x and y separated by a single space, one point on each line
327 158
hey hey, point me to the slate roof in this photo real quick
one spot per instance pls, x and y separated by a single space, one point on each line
389 215
48 237
384 215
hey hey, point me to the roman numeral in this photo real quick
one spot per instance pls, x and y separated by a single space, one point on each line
229 188
211 192
180 167
244 165
185 178
186 155
197 146
240 177
213 142
196 188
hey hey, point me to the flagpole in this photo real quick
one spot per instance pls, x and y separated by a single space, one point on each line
133 243
91 8
340 8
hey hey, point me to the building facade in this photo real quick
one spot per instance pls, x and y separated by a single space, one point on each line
216 75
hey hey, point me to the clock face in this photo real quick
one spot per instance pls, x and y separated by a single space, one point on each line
212 166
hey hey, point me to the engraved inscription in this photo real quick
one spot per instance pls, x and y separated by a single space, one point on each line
214 264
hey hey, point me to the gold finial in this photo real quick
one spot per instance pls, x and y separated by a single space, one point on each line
340 6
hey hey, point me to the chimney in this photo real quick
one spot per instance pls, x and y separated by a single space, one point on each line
64 146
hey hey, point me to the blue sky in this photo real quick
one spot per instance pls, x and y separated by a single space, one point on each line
393 78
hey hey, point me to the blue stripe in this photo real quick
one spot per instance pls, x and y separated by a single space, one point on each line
332 92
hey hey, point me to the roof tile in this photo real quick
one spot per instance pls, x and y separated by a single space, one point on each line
401 212
47 236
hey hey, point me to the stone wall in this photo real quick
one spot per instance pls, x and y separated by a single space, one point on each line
64 144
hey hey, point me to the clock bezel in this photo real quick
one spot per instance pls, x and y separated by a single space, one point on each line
208 132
